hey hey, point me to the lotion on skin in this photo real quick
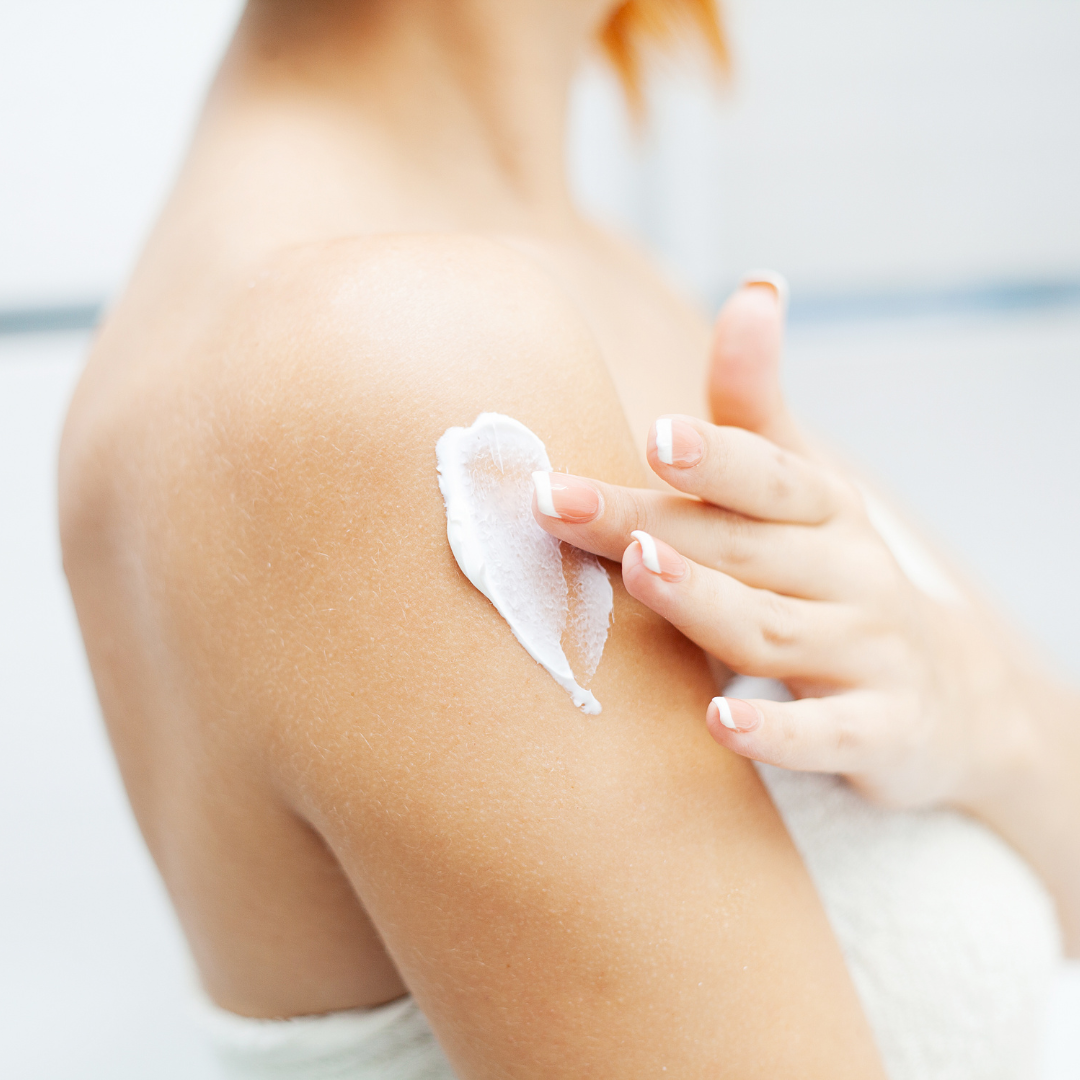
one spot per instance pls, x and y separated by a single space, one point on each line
550 594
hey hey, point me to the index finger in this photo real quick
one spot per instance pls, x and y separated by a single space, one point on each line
600 517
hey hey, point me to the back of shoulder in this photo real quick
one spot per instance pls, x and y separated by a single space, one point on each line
386 342
317 393
398 308
288 496
377 339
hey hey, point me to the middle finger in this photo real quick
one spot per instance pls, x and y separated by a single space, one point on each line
795 560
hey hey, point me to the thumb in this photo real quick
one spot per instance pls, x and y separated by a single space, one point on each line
744 364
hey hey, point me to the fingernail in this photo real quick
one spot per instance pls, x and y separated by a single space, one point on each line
660 558
566 497
678 444
736 715
774 280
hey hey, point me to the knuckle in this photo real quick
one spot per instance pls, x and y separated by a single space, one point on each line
779 624
627 514
783 484
782 490
759 647
848 738
789 732
836 497
736 542
847 498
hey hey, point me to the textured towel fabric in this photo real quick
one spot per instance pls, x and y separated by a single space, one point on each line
392 1042
950 939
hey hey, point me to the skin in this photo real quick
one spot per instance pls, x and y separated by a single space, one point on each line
352 778
918 702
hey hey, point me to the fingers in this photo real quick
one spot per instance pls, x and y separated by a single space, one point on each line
753 631
837 734
744 369
601 518
744 472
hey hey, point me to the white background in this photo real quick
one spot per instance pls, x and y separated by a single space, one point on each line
899 147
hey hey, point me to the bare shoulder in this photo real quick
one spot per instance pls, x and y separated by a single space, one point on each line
276 481
415 328
333 367
383 323
564 894
315 401
288 488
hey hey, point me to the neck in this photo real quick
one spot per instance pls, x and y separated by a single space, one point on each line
467 97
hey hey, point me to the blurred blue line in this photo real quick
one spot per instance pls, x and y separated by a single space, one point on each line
997 298
51 319
1000 298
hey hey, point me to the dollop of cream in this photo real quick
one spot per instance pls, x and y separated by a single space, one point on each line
555 598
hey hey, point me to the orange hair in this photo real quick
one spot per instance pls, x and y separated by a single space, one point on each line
637 25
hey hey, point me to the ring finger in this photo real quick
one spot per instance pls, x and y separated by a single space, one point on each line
753 631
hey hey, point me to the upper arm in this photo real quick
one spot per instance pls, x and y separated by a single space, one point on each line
566 895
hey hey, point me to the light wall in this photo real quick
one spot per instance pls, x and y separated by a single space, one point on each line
898 144
868 146
96 100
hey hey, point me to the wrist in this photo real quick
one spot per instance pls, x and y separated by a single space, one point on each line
1012 722
992 706
1030 793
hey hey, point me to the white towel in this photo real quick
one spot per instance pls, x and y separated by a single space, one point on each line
391 1042
951 940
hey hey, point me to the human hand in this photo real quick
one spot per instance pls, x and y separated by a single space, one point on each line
774 567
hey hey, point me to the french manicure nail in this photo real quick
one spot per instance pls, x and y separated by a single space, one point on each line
660 558
678 443
566 497
772 279
736 715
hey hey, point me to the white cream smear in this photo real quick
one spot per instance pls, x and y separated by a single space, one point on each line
555 598
665 449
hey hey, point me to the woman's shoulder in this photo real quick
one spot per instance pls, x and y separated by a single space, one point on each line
395 333
413 299
387 330
389 325
409 298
